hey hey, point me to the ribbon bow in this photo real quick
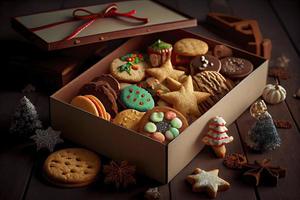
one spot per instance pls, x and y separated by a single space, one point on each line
90 17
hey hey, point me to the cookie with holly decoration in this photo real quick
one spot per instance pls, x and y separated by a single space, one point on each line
129 68
162 123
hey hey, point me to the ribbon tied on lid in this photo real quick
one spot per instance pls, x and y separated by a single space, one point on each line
90 17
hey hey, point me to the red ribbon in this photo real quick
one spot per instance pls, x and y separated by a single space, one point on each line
109 11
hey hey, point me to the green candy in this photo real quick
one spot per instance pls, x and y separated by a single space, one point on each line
150 127
157 116
172 133
176 123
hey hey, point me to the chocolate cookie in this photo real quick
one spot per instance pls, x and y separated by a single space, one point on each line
110 80
235 68
104 92
221 51
204 63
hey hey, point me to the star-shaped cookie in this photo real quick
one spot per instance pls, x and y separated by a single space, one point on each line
207 181
164 71
186 100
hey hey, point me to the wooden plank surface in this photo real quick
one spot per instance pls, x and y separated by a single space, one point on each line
289 110
275 20
16 156
206 160
271 28
288 13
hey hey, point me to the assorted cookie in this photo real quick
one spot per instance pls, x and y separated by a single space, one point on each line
164 71
235 68
207 181
141 90
72 167
186 99
137 98
105 92
205 63
129 68
92 105
187 48
129 118
159 52
162 123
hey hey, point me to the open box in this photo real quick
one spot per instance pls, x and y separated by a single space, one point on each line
156 160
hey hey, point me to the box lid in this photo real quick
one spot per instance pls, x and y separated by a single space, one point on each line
78 26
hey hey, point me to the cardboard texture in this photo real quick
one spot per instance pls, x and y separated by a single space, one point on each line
158 161
102 29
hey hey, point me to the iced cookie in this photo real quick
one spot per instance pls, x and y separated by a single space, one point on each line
204 63
73 167
235 68
207 181
129 68
162 123
159 52
128 118
137 98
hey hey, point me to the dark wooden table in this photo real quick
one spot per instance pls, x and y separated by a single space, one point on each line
20 165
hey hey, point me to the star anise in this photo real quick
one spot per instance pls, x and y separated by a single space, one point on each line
263 173
235 161
120 174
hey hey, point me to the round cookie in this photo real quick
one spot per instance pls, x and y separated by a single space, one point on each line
129 68
190 47
85 104
162 120
128 118
114 84
104 92
72 167
235 68
221 51
204 63
137 98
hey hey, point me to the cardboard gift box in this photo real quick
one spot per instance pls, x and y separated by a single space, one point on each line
98 23
158 161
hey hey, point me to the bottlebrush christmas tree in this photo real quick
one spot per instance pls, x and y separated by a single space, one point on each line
217 136
25 120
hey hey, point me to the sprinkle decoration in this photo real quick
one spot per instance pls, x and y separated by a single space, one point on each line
131 60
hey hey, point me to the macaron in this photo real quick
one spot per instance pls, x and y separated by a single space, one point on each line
90 104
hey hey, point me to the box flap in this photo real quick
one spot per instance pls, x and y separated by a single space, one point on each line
53 30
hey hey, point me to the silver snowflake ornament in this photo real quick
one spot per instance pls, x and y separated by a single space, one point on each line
46 138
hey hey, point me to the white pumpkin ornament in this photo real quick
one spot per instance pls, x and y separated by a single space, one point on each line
274 94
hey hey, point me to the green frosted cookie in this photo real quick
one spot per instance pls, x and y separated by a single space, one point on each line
136 98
